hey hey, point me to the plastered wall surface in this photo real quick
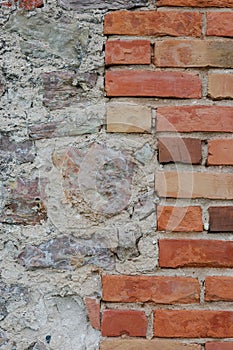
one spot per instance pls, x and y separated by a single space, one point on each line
116 213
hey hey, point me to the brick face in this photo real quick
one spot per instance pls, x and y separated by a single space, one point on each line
195 118
219 346
128 52
220 86
130 118
221 219
179 219
142 344
219 288
196 3
193 323
160 290
176 253
220 152
182 184
120 322
93 311
148 83
183 150
194 53
149 23
220 24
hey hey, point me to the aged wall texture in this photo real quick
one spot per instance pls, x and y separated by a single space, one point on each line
116 175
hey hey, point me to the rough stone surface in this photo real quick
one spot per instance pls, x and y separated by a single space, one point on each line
44 37
61 89
23 202
77 5
66 252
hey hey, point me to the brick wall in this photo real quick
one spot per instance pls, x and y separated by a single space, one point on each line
116 164
171 65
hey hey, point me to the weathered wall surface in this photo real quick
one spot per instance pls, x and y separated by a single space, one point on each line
116 174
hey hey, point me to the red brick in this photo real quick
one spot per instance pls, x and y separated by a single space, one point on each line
196 3
195 253
30 4
179 219
183 150
128 52
172 184
93 310
220 152
220 86
129 322
193 324
149 83
219 288
220 24
194 53
221 219
143 344
195 118
219 346
25 4
157 289
149 23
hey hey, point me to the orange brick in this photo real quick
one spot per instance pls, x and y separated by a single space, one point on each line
220 86
177 149
149 23
127 52
172 184
219 288
219 346
176 253
93 310
157 289
220 23
195 118
220 152
149 83
193 324
142 344
196 3
179 219
194 53
128 322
